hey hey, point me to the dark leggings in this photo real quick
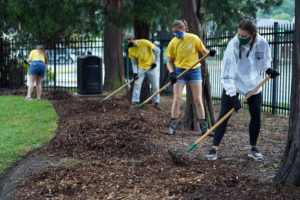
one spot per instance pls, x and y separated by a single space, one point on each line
254 103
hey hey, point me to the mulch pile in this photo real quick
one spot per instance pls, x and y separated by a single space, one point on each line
115 156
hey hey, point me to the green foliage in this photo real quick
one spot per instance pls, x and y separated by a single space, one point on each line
286 11
158 13
52 20
230 12
24 126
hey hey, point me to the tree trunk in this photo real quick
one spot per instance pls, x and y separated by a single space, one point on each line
113 55
194 16
141 31
289 173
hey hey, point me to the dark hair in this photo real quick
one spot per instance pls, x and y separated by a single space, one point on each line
249 26
42 49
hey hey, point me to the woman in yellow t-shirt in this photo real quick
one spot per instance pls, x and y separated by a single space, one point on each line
38 61
183 51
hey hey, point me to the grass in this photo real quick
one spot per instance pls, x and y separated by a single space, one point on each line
24 126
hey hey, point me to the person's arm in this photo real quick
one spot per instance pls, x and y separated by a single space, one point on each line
229 71
156 52
134 69
170 65
29 59
204 51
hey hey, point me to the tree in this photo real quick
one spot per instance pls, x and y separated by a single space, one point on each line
225 14
289 172
51 21
113 55
192 12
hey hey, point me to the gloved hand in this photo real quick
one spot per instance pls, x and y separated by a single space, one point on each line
272 72
173 78
235 102
212 52
135 76
153 65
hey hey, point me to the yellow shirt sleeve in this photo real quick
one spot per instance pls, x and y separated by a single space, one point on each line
148 43
170 50
199 45
31 54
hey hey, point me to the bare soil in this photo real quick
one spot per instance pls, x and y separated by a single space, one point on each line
100 151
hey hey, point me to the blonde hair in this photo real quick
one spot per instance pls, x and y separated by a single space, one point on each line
178 24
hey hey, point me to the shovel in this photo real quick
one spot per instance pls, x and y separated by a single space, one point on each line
227 115
120 88
211 53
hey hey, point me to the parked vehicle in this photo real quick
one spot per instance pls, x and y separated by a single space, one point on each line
62 56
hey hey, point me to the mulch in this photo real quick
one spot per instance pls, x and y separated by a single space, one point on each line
117 156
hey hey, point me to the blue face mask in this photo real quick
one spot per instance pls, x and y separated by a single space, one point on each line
179 35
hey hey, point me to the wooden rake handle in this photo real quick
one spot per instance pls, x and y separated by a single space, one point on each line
169 83
120 88
228 114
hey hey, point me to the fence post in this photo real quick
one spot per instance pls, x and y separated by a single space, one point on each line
54 66
275 67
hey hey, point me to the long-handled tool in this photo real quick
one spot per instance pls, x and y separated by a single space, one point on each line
211 53
227 115
120 88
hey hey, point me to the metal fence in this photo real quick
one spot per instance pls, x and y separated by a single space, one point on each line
61 72
276 92
62 69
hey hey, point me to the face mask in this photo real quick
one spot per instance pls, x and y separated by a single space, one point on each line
130 44
245 41
179 35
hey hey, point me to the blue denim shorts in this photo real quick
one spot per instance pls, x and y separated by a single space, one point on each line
37 68
193 76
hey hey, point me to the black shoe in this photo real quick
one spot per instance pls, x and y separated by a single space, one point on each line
254 153
157 106
212 154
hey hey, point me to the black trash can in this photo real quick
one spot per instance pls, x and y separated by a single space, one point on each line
89 75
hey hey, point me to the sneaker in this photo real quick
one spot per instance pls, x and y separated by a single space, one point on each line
254 153
38 99
212 154
28 99
157 106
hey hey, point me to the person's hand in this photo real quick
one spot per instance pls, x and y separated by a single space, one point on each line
272 72
135 76
212 52
153 65
173 77
235 102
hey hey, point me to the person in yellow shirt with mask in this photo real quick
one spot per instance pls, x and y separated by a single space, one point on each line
143 55
38 61
183 51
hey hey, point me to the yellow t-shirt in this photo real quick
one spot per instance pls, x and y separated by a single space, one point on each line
143 53
185 51
36 56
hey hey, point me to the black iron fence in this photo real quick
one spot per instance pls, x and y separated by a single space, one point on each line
62 69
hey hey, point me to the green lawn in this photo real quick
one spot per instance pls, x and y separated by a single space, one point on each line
23 127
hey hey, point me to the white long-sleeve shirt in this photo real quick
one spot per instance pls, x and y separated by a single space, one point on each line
242 75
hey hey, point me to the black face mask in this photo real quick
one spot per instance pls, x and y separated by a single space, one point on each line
130 44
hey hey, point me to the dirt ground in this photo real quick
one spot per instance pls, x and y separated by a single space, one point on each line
101 152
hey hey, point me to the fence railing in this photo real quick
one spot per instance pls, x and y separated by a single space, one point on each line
62 69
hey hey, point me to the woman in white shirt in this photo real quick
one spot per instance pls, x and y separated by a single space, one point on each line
246 54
